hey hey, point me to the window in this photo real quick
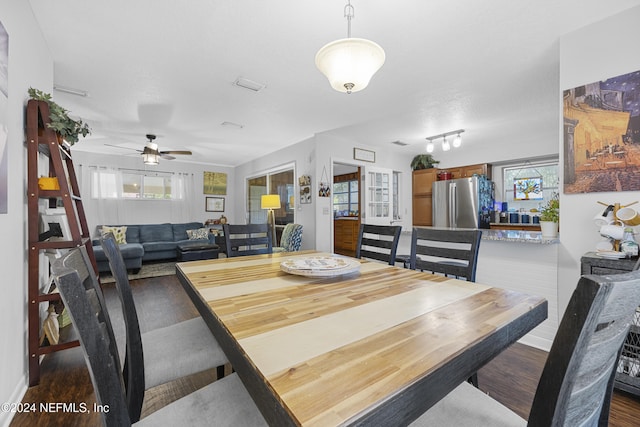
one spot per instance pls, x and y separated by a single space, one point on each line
396 195
346 195
278 182
514 178
114 184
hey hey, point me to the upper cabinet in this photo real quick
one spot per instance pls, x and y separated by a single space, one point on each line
469 171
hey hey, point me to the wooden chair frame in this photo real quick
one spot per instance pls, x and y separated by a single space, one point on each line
383 237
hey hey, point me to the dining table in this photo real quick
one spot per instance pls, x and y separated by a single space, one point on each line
320 339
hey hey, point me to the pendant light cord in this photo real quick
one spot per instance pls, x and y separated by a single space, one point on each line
349 13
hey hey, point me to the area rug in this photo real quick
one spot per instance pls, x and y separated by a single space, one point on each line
156 269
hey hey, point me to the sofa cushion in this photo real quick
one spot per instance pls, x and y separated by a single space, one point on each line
156 233
119 233
128 250
180 230
159 246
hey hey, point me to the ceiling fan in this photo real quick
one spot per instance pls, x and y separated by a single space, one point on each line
151 155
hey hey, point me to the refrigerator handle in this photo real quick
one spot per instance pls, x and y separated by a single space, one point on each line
453 205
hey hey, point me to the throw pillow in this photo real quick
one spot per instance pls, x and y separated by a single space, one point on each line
198 233
119 233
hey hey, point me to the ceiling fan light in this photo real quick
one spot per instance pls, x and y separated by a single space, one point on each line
349 64
150 158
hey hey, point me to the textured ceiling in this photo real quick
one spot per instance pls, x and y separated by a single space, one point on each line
166 67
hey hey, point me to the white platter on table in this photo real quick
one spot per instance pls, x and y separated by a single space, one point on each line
611 254
320 266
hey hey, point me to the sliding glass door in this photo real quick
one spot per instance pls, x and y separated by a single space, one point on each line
278 182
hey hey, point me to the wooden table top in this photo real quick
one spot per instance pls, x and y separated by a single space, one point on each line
376 347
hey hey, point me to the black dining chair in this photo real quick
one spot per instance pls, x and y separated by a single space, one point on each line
447 251
378 242
170 352
577 380
247 239
224 402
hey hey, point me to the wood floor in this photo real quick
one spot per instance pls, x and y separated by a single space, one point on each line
510 378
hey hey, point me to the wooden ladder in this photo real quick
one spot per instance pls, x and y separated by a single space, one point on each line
42 142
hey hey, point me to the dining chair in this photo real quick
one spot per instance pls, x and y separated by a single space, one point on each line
171 352
247 239
577 380
378 242
447 251
291 239
224 402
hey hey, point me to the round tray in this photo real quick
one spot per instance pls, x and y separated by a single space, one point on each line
320 266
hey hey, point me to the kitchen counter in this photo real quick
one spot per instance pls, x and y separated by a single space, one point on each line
519 236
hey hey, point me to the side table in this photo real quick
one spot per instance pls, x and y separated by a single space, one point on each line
628 371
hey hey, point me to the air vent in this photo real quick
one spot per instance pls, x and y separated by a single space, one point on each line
231 125
400 143
249 84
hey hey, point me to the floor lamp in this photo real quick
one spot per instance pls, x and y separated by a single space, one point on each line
271 202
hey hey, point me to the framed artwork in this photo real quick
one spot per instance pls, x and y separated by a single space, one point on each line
304 182
215 183
364 155
214 204
601 122
527 188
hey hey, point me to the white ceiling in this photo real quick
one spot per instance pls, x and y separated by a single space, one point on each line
168 67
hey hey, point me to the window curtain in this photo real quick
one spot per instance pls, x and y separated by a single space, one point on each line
183 198
102 191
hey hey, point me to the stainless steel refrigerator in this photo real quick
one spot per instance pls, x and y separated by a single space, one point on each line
463 202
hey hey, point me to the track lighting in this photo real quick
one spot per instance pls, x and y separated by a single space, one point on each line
446 146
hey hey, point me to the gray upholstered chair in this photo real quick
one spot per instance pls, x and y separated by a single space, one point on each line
378 242
291 239
447 251
577 381
247 239
222 403
170 352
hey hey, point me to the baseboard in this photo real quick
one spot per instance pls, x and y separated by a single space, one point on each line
536 342
16 397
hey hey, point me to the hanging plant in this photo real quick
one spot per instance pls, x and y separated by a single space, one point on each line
59 120
423 161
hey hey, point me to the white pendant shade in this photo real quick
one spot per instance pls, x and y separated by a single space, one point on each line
350 63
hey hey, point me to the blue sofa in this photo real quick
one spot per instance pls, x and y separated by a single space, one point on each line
149 242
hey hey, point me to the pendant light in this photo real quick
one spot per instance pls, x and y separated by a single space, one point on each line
350 63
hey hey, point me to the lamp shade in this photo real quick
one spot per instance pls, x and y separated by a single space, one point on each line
270 201
350 63
150 155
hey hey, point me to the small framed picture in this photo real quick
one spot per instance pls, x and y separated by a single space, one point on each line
364 155
214 204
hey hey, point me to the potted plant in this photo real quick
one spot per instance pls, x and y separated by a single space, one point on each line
423 161
66 127
550 217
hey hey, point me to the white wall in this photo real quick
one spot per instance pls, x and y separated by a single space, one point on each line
151 211
30 64
330 149
302 155
594 53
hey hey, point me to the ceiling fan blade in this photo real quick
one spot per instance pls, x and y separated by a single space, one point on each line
124 148
166 156
179 152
